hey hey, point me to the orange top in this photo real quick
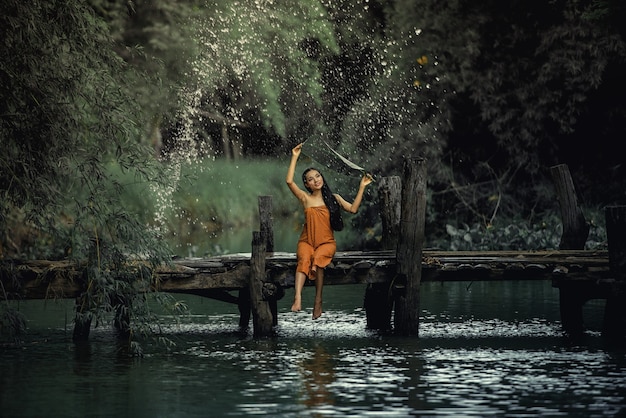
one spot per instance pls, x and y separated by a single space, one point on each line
316 246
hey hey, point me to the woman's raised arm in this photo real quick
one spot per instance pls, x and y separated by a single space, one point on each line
354 206
295 153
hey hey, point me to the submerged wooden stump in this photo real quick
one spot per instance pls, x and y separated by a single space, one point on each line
82 321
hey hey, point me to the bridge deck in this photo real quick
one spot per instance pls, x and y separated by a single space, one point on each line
350 267
209 276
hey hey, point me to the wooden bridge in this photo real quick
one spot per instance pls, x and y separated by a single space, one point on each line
231 272
227 277
393 277
215 277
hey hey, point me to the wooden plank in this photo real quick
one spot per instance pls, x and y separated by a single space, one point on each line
39 279
236 278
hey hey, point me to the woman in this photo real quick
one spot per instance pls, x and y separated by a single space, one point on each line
322 212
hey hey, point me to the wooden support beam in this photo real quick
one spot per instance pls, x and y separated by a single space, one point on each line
266 220
378 301
614 326
39 279
389 196
616 235
575 227
410 244
573 237
82 320
262 319
245 308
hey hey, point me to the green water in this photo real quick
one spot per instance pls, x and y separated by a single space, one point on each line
493 349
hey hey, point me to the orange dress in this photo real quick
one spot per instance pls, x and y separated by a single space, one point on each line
316 246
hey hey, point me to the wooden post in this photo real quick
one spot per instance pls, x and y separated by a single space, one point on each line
267 222
572 296
389 195
614 326
409 252
243 304
82 320
378 301
121 321
616 235
575 228
261 314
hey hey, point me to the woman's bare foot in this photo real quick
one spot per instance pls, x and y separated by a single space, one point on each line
317 309
300 278
297 305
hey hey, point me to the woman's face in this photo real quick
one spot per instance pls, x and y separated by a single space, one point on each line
313 180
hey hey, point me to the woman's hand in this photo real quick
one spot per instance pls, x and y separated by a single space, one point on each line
366 179
297 150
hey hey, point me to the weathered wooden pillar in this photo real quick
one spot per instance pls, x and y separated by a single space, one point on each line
121 321
262 319
409 251
389 196
378 301
575 227
614 327
266 220
572 296
616 235
82 320
244 306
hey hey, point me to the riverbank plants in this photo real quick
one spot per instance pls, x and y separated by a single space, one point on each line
68 114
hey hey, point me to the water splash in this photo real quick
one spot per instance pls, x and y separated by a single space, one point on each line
251 70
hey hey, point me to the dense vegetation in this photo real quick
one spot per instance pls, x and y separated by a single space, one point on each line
101 98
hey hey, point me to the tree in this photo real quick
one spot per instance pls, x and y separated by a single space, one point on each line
257 77
67 116
492 94
159 40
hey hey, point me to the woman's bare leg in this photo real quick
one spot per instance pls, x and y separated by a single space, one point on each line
297 297
319 286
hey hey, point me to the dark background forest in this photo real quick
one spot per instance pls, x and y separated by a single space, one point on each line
491 93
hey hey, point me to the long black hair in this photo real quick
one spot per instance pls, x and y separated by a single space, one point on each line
336 220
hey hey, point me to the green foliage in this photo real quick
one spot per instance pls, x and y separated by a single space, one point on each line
492 94
407 110
12 324
217 196
67 112
515 234
214 207
217 199
158 39
255 64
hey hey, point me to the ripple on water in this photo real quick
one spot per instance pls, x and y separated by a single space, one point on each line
473 367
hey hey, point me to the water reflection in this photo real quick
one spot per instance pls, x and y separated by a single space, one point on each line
82 359
479 354
317 375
